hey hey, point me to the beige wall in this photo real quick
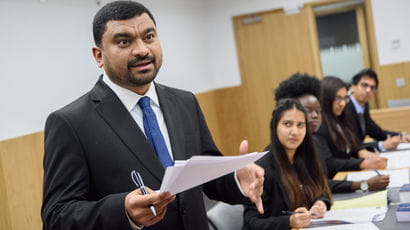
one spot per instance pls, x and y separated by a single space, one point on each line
21 179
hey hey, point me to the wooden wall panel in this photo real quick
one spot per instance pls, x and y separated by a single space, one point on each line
387 82
4 204
227 116
392 119
22 178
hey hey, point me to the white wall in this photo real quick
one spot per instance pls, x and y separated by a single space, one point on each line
392 22
46 61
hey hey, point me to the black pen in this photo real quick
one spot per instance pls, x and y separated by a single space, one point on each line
291 213
136 177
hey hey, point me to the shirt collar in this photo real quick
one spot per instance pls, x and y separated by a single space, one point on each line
357 106
129 98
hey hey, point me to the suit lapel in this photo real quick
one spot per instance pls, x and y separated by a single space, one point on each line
119 119
173 121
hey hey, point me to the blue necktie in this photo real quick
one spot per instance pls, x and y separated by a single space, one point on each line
153 132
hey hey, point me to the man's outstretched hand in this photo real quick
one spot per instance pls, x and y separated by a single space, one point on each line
251 179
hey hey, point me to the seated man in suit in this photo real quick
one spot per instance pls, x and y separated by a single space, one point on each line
129 122
306 89
364 86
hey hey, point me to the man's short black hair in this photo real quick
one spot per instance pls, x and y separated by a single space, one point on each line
365 72
118 10
298 85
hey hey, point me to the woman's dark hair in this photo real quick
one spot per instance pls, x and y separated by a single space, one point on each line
342 139
118 10
298 85
309 172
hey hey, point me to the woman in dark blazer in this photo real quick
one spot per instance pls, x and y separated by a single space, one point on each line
335 134
294 179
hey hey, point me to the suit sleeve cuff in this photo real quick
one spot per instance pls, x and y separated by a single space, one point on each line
239 184
380 146
132 224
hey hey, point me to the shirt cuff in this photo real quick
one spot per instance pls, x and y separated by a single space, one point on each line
239 185
380 145
132 224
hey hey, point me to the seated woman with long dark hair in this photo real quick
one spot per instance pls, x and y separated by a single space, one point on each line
294 179
335 134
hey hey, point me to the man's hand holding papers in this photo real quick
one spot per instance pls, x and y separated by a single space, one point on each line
251 179
197 170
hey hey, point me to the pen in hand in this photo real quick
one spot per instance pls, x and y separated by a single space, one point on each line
291 213
136 178
378 173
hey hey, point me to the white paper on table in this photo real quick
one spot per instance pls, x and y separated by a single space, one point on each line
402 146
201 169
364 226
353 215
397 159
398 177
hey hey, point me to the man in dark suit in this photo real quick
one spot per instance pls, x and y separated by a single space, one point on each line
364 86
93 144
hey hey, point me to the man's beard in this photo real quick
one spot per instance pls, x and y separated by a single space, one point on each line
131 79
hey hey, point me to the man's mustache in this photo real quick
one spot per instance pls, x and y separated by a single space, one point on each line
138 59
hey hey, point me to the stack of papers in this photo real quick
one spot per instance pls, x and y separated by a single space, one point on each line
197 170
397 159
398 177
403 212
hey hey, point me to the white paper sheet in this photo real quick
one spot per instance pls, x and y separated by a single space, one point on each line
397 159
356 218
355 215
398 177
365 226
403 146
201 169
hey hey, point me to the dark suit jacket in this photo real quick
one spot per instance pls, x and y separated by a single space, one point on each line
93 144
274 198
336 186
335 160
372 129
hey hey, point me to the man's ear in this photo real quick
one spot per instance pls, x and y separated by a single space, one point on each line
97 53
352 88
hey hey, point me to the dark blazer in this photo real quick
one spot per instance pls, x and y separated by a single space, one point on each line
274 199
335 160
372 129
93 144
336 186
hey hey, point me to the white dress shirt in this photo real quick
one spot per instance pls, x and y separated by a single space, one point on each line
130 100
